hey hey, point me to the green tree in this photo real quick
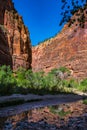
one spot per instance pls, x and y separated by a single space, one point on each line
7 80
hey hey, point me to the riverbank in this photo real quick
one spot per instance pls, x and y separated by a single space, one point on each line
73 117
18 113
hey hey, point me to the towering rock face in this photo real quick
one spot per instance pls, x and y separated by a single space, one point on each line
5 57
15 43
68 48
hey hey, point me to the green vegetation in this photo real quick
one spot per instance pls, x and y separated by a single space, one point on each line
7 81
85 101
59 111
81 85
63 113
25 81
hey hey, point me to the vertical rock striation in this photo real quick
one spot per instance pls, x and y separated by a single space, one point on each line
15 36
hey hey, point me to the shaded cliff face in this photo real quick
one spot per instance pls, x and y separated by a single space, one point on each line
5 57
14 37
68 48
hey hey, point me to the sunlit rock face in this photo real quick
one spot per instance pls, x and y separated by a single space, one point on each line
15 36
68 48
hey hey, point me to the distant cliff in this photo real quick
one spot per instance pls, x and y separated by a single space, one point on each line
15 44
68 48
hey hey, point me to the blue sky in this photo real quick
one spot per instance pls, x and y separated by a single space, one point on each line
42 17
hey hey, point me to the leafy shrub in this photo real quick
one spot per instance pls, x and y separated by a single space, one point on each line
84 82
64 69
85 101
7 80
82 86
25 81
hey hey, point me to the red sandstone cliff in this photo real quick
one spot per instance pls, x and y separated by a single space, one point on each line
68 48
15 45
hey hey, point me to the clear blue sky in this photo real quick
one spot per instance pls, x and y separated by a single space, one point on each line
42 17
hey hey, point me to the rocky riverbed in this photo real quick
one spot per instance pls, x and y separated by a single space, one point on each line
69 116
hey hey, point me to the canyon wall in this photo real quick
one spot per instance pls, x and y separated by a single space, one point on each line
68 48
15 44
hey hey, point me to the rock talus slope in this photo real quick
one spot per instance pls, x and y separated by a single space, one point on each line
68 48
15 44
